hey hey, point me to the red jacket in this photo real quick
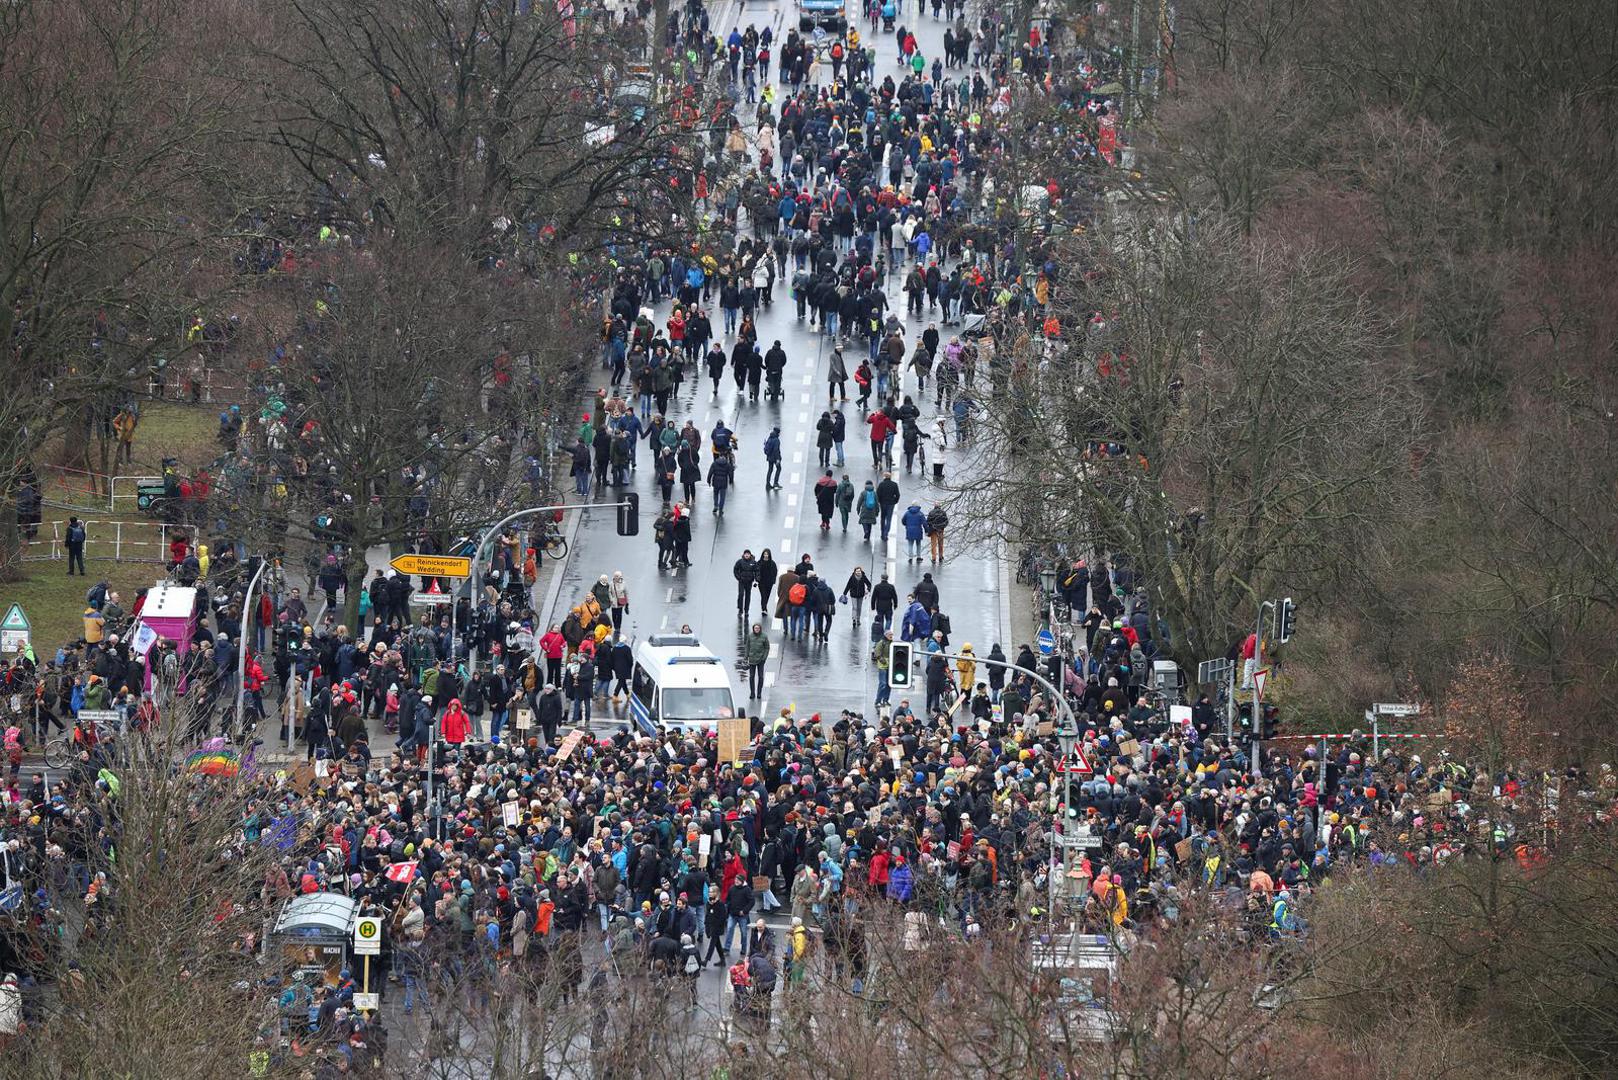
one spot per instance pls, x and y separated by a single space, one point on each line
881 426
455 724
732 873
553 644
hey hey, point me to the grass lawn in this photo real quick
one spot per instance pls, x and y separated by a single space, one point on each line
170 429
53 601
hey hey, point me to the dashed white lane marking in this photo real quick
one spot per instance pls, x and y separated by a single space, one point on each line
792 498
787 523
796 477
797 458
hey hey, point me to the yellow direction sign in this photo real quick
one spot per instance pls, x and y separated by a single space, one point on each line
453 566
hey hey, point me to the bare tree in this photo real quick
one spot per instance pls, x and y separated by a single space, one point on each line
450 122
108 186
405 402
148 965
1223 421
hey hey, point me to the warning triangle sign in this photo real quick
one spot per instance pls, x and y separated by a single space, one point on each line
432 587
1076 763
15 619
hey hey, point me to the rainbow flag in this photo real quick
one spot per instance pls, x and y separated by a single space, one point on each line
214 763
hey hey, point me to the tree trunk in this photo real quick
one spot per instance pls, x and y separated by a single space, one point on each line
355 567
11 545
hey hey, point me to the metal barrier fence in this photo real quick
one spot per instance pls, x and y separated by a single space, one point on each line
129 541
87 490
205 388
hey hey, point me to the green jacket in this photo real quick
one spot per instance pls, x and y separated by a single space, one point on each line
757 648
879 654
870 509
845 495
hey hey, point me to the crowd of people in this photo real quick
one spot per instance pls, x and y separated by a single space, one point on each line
624 855
945 806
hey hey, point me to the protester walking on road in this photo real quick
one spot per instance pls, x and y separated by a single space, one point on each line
937 522
826 499
915 524
845 499
765 575
756 651
745 571
855 590
887 497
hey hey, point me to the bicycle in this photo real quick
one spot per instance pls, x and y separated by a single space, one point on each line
60 751
552 542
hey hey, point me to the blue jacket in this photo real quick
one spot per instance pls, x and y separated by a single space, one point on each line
918 623
915 523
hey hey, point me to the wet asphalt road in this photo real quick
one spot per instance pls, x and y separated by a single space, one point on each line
813 677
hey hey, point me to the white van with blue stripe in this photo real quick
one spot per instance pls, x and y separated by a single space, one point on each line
679 685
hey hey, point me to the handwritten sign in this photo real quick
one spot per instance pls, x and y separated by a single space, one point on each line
735 734
570 743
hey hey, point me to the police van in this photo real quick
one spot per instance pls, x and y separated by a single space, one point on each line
679 685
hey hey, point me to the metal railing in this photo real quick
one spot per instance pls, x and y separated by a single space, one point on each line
85 489
129 541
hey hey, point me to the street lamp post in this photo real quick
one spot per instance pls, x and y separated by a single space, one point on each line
1067 733
1258 665
493 530
241 647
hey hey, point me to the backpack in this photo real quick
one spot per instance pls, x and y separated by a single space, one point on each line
798 593
869 501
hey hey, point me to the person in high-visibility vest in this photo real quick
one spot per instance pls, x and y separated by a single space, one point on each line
1283 920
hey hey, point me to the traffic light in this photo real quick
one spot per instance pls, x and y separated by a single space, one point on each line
899 664
1272 720
629 515
1286 620
1244 715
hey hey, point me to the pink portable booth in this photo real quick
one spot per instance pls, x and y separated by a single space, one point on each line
170 612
